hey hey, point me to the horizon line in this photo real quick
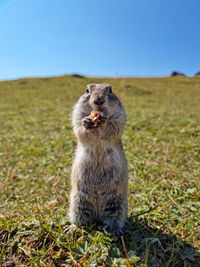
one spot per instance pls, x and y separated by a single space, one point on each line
80 75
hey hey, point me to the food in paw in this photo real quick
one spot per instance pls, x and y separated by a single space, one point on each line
97 117
94 116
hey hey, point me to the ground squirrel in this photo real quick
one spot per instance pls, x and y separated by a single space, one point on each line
99 173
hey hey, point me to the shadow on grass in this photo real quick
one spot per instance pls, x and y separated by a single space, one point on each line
156 247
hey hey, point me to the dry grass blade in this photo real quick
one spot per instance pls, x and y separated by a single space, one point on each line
125 250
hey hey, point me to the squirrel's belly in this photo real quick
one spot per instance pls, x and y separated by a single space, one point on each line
97 175
98 169
98 160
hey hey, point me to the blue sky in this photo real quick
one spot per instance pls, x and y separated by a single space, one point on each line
99 38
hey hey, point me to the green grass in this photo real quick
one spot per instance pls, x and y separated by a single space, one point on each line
162 145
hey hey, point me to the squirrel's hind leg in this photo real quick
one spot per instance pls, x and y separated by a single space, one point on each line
82 212
114 215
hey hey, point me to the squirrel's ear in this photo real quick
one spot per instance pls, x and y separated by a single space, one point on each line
87 90
110 90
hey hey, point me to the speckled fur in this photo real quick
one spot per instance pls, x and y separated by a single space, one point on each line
99 172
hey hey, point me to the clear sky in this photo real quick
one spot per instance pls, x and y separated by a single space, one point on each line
99 37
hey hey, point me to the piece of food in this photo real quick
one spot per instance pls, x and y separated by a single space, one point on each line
97 117
94 116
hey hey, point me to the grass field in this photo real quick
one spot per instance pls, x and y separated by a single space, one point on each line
162 145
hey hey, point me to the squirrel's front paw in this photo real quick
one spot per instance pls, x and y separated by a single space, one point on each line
87 123
103 116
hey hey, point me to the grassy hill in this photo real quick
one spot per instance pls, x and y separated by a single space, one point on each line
162 145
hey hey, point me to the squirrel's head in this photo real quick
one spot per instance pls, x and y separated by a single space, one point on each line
100 97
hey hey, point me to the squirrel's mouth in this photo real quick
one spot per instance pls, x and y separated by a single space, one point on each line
98 108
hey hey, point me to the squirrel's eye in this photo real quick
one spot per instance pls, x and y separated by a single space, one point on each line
87 90
110 90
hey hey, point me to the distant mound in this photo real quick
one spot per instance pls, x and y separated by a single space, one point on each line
176 73
77 75
197 74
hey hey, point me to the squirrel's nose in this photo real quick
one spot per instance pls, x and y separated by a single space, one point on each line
99 101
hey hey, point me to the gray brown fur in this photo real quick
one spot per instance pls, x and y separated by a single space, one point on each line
99 173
